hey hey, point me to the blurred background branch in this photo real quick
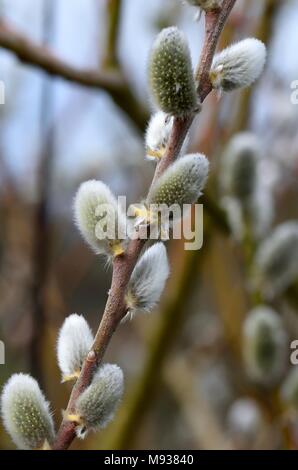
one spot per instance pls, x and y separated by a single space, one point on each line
196 337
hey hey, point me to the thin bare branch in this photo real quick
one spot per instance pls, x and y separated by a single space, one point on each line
41 57
123 265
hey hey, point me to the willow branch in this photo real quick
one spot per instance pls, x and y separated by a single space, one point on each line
41 57
110 59
123 265
168 326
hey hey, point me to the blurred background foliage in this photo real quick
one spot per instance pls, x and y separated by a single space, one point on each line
186 386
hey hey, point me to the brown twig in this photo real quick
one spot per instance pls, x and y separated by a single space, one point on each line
123 265
41 235
110 59
41 57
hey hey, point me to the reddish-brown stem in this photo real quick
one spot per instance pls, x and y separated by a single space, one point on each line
114 311
124 265
214 24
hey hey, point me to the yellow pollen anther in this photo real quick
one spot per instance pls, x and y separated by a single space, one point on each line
158 154
73 418
73 376
117 249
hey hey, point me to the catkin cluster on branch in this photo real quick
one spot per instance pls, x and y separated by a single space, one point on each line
104 227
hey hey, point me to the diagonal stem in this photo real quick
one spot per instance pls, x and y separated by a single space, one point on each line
124 265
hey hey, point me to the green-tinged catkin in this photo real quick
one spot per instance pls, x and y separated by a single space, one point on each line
264 346
25 413
182 182
96 406
170 72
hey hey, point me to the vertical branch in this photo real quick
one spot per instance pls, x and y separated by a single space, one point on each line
41 242
111 59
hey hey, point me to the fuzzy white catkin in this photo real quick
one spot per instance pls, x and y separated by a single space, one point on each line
289 389
239 65
170 74
239 166
277 258
74 341
148 280
265 345
97 405
157 135
182 182
95 208
25 413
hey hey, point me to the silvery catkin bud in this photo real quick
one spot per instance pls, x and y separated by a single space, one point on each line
182 182
277 258
170 74
239 65
99 219
148 280
96 406
264 345
239 166
74 342
206 5
289 390
157 135
25 413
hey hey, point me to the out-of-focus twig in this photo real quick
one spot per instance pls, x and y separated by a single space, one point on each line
196 410
41 57
110 58
41 229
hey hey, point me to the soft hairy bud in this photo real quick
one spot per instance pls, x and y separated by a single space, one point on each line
170 74
182 182
239 166
99 218
264 345
206 5
239 65
157 135
74 341
277 258
148 280
289 390
96 406
26 414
